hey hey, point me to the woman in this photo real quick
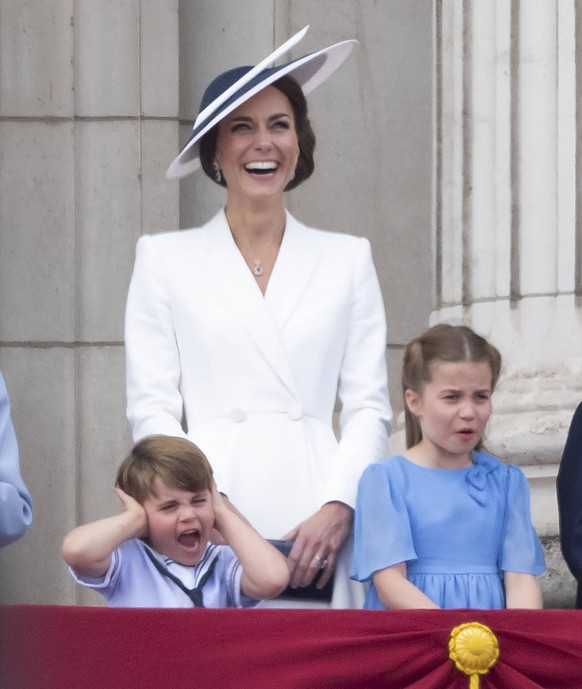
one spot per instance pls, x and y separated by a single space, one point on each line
241 333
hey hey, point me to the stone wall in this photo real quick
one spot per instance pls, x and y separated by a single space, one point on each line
95 98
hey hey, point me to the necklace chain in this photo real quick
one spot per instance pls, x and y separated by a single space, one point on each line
257 269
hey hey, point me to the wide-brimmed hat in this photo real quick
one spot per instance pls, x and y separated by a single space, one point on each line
232 88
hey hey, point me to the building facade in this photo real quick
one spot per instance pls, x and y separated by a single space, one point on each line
448 139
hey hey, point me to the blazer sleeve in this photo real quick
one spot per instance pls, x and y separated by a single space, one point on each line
154 401
569 492
366 415
15 500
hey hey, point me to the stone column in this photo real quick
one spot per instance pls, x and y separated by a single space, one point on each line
88 123
507 248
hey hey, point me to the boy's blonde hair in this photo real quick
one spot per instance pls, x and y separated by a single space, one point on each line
442 342
175 461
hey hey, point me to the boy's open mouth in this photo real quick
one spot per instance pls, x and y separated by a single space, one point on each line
189 539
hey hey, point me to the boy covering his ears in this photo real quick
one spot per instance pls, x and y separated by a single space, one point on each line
157 551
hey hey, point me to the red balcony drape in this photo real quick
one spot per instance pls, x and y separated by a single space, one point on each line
66 647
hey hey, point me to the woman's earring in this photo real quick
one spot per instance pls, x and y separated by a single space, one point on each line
217 171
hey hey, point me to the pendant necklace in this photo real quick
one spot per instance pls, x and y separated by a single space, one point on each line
257 268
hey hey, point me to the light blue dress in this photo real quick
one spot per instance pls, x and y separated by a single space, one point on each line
457 530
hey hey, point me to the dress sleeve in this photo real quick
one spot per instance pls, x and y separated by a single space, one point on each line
366 415
15 500
154 402
521 551
382 534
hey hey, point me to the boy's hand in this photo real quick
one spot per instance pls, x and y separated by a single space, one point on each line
219 504
87 549
132 506
222 507
218 499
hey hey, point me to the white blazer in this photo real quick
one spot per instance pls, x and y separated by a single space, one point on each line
253 379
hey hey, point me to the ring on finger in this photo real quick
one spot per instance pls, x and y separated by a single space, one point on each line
322 561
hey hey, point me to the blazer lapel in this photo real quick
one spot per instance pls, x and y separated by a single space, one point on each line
230 276
293 271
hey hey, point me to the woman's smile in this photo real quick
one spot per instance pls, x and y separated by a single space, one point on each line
261 167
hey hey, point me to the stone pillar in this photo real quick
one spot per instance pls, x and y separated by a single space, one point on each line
506 212
88 123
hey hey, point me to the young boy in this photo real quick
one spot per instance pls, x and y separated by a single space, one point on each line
157 551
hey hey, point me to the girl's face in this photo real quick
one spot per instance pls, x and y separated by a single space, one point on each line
453 410
257 146
180 522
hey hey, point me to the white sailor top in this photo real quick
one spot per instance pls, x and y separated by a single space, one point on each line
140 577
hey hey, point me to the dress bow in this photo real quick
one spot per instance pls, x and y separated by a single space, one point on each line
477 477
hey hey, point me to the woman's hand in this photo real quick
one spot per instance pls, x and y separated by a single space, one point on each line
317 544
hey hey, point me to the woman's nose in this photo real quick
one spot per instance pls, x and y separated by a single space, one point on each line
262 138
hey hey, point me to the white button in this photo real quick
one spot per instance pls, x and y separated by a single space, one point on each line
295 412
238 415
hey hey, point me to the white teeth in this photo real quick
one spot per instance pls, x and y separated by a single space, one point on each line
261 165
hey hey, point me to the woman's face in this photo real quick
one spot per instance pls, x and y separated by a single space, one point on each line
257 147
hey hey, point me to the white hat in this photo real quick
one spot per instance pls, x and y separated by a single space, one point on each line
234 87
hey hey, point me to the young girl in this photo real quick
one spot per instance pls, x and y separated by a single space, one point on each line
446 525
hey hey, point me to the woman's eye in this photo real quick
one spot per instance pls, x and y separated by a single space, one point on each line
281 124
